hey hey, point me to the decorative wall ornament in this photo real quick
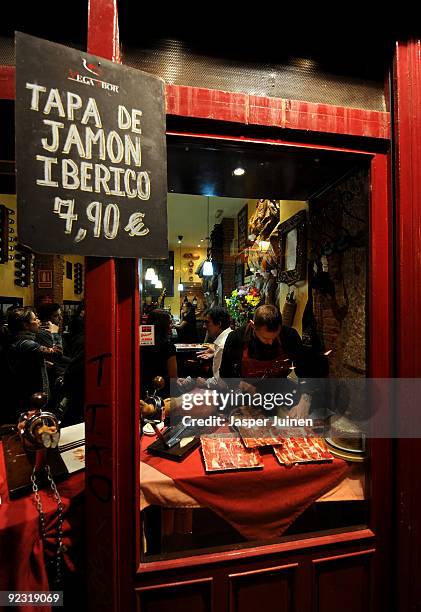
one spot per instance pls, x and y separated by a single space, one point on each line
288 310
264 219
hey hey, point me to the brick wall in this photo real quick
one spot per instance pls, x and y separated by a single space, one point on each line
340 312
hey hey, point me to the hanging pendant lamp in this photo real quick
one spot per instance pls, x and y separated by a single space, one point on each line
207 266
150 274
180 285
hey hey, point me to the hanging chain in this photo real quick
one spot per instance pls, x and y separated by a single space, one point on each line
60 548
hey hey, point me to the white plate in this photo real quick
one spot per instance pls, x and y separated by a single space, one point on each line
148 430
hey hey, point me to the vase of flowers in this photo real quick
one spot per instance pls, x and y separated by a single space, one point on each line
242 303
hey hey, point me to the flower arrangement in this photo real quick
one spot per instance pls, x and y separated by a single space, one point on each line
242 303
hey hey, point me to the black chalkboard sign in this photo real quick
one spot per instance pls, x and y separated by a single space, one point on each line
90 154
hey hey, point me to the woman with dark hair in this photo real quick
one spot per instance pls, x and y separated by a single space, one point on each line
187 329
26 357
158 360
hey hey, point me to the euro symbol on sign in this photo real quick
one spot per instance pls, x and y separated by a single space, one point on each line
135 226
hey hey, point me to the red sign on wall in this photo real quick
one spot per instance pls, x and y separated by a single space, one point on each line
45 279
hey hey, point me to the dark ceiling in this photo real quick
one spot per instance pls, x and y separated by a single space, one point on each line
346 40
275 172
350 43
66 23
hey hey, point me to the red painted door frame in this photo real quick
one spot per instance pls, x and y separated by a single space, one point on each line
380 314
112 394
407 139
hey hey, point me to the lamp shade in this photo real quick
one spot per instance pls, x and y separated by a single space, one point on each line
150 274
207 268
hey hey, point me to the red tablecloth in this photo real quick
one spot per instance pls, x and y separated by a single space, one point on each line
22 566
260 504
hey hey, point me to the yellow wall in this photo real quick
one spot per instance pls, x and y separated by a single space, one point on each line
68 285
7 270
174 302
288 208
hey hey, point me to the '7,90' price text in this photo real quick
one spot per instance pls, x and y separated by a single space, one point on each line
105 219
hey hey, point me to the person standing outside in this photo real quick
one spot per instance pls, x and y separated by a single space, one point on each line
27 357
49 334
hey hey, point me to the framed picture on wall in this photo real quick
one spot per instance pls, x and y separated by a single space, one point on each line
6 303
239 272
69 270
293 249
242 227
70 309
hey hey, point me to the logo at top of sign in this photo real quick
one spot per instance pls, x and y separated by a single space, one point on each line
91 68
74 75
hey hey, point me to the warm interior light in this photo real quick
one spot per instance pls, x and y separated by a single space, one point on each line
150 274
239 171
207 268
180 286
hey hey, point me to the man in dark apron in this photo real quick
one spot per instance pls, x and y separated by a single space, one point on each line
265 349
